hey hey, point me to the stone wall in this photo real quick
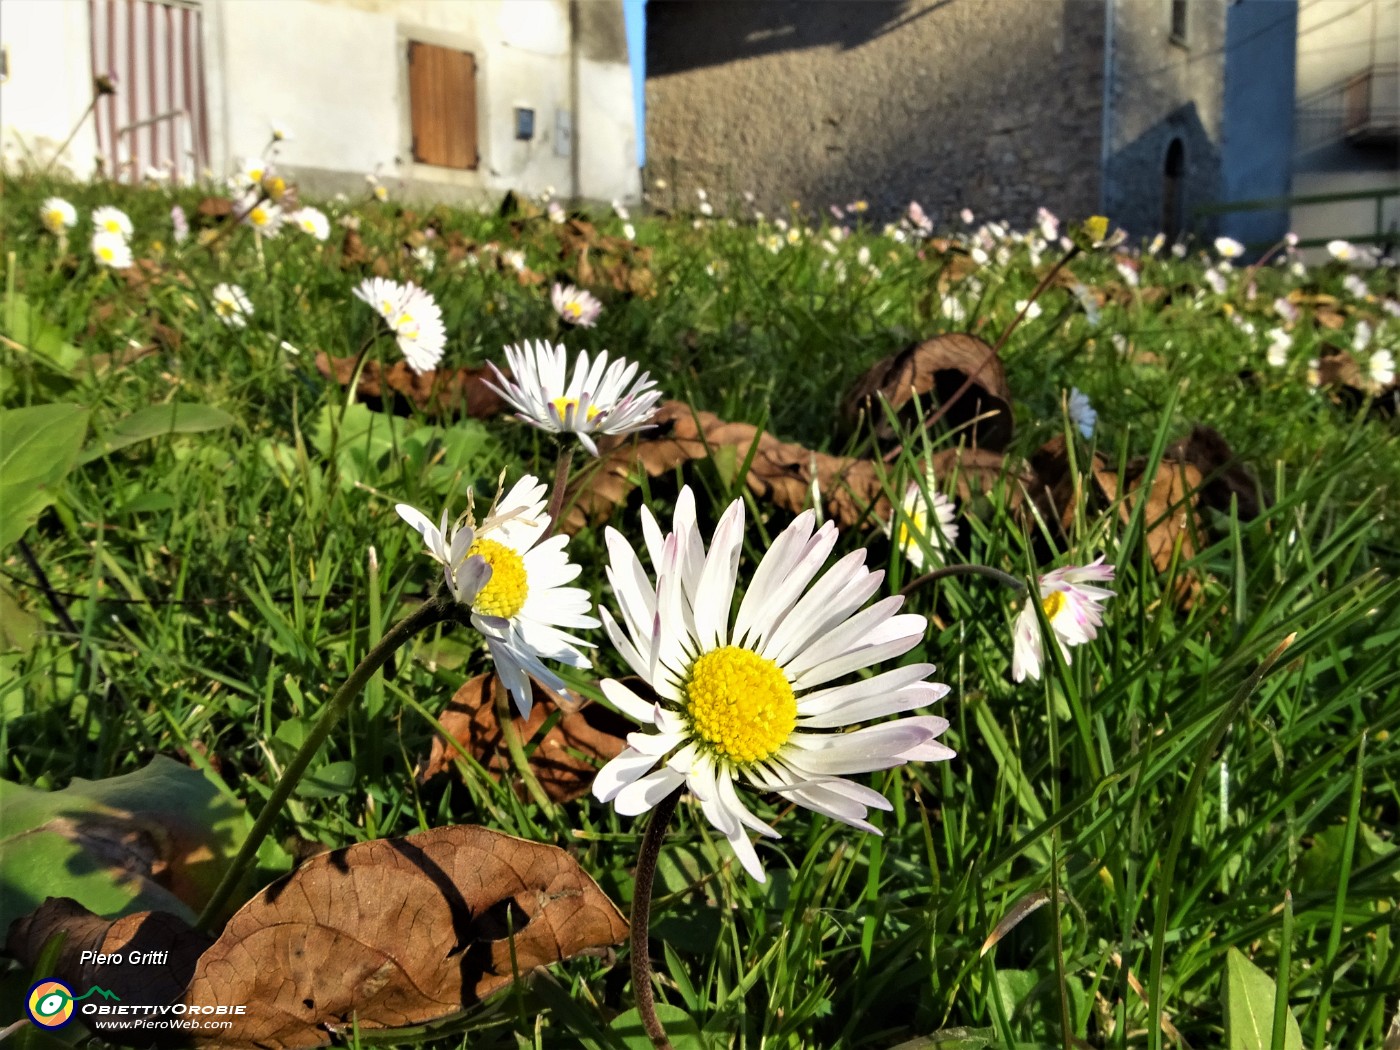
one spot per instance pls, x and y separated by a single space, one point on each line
1163 89
989 104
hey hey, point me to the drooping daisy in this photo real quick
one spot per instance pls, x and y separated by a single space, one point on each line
58 215
412 315
514 581
925 520
597 400
1381 368
111 249
1228 248
313 221
1280 342
1070 599
111 220
231 305
1216 280
574 305
1081 413
748 701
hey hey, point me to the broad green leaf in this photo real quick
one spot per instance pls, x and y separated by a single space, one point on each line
1248 995
335 778
158 421
27 328
18 626
156 839
680 1027
38 447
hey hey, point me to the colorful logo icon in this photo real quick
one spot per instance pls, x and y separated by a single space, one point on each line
50 1002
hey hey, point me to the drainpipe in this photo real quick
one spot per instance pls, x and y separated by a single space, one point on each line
1106 117
575 120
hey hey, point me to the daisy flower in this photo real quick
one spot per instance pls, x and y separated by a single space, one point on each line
1280 342
312 221
250 174
1228 248
262 215
597 400
1081 412
412 315
513 579
575 306
111 220
1070 599
57 215
1382 368
925 521
111 249
179 224
1342 251
748 702
231 305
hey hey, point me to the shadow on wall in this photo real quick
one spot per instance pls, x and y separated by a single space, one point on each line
887 102
720 31
1156 181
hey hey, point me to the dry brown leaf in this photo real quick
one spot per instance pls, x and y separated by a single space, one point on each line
565 761
1170 518
353 252
1226 476
459 391
215 207
779 472
384 934
940 366
145 933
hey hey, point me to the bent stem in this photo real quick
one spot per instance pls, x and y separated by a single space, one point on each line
436 609
641 918
561 481
963 570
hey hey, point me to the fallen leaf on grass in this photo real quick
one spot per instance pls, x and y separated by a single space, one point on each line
565 760
779 472
1170 517
938 367
382 935
461 391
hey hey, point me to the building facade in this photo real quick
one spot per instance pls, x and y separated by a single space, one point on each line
452 99
1002 106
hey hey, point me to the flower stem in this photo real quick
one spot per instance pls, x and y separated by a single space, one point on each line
434 610
963 570
561 481
641 918
515 744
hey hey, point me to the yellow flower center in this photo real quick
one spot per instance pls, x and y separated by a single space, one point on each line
106 254
504 594
1053 604
573 310
223 307
740 704
55 218
112 226
276 187
563 404
1096 226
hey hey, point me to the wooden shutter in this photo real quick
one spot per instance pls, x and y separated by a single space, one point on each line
442 101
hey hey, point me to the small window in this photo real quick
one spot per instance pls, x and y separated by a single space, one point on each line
1174 189
1179 22
442 104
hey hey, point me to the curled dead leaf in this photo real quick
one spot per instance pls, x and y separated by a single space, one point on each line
383 934
938 367
781 473
461 391
565 760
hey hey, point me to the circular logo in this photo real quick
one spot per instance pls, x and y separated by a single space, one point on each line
50 1004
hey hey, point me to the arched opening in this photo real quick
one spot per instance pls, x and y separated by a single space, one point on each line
1173 189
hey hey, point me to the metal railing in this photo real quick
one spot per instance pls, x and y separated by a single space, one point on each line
1362 109
1381 234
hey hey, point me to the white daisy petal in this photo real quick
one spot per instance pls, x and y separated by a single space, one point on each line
642 795
626 768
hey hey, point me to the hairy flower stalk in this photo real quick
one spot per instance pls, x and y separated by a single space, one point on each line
437 609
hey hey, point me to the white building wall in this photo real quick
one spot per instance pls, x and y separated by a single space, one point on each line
335 73
47 46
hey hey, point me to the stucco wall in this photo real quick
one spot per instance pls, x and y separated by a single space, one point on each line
990 104
334 71
1162 90
49 85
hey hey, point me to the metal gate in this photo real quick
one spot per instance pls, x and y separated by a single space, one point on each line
158 119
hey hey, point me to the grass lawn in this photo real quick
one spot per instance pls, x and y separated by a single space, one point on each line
1183 817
